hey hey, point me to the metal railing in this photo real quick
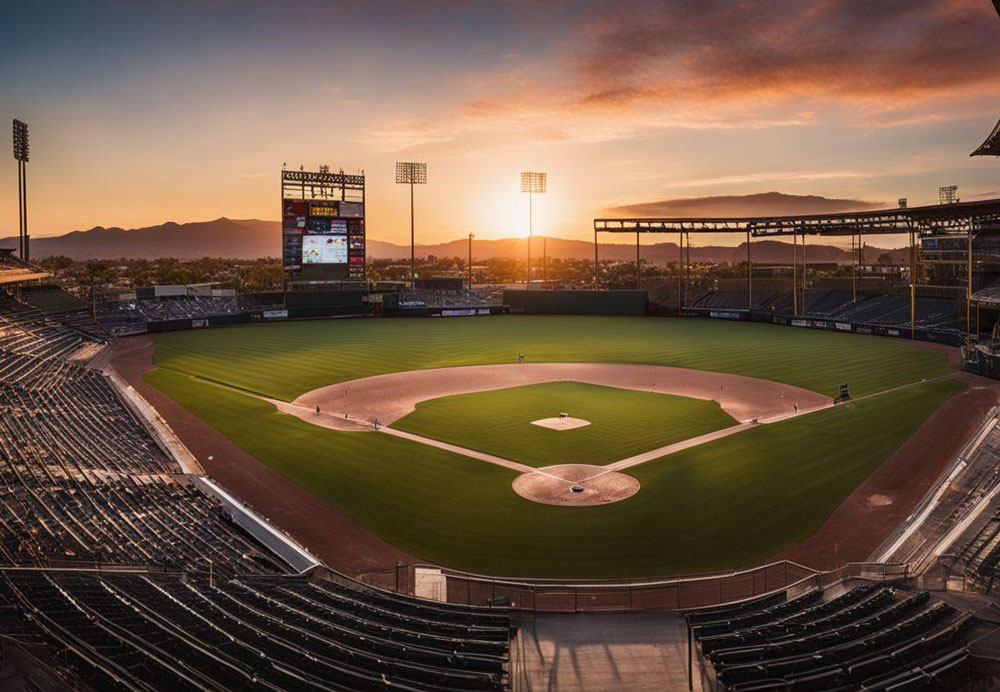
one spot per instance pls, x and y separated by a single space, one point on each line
683 593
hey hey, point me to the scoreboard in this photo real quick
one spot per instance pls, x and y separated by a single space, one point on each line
322 227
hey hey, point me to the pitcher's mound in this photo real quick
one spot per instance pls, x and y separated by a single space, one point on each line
575 485
561 423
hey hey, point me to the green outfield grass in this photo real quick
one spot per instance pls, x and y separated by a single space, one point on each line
623 422
720 505
287 359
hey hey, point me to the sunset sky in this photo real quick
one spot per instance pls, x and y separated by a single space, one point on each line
143 112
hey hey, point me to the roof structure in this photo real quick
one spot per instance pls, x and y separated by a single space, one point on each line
936 219
13 270
991 147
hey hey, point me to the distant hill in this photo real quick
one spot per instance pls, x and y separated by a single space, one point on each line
254 238
759 204
219 238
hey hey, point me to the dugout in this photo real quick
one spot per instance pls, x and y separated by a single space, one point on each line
625 302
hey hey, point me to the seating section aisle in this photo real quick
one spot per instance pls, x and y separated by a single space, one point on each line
869 637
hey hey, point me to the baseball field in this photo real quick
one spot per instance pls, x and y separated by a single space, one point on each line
724 503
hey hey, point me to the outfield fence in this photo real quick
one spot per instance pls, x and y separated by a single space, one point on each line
698 591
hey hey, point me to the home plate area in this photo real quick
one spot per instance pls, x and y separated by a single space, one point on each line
563 422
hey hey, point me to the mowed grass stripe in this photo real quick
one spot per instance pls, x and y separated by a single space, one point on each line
623 422
720 505
288 359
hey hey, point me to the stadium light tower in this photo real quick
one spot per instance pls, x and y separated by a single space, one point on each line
532 183
22 151
471 236
411 173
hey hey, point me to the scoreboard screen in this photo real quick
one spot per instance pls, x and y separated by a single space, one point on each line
324 249
322 226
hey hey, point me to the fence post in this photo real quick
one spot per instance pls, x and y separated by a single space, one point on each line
690 666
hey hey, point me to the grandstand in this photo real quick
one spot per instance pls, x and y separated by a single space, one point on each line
138 578
134 316
865 637
838 304
14 270
146 631
426 301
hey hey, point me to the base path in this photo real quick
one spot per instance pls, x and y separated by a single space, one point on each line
390 397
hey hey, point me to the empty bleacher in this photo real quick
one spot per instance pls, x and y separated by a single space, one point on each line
444 298
171 632
884 309
865 637
105 546
126 317
978 558
895 310
732 300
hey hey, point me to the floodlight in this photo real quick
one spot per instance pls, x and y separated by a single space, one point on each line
411 173
948 194
533 182
21 144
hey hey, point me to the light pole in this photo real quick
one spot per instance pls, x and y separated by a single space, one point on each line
471 236
21 155
411 173
531 183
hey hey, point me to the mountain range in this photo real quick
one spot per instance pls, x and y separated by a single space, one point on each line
757 204
255 238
